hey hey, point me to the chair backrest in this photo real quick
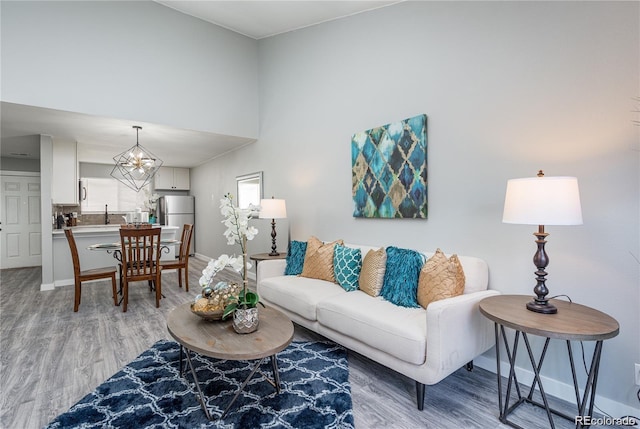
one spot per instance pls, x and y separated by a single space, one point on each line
140 252
74 251
185 242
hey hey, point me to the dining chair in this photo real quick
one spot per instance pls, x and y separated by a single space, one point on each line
140 260
182 262
80 276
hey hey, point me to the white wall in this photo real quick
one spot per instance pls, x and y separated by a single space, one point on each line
508 88
46 170
134 60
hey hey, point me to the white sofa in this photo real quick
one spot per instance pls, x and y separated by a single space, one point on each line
425 345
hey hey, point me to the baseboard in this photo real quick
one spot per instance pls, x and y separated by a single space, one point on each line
201 257
47 286
69 282
556 388
65 282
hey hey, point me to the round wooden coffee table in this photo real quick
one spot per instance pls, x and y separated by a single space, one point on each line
218 340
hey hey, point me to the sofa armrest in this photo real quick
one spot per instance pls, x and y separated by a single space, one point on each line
270 268
456 333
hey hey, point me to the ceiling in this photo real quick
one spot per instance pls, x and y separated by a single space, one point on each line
260 19
100 138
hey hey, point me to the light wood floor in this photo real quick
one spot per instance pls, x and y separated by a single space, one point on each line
50 357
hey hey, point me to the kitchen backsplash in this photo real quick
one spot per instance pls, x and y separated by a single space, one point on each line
98 219
85 219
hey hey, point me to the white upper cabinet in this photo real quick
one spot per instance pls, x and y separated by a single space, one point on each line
64 183
172 178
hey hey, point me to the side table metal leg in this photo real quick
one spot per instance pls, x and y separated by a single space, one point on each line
536 371
542 355
276 374
574 375
495 326
592 380
511 354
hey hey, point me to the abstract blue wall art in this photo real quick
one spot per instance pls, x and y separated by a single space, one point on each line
389 170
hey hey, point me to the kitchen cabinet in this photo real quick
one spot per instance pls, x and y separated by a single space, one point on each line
172 178
64 182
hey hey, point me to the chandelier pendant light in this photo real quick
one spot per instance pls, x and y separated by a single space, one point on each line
135 167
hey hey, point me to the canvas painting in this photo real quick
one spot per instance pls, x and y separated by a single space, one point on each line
389 170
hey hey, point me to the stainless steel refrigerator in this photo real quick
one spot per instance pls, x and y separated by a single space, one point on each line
176 210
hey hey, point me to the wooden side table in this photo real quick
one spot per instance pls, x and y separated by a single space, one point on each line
266 257
573 322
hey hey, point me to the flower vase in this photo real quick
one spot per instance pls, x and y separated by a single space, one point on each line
245 320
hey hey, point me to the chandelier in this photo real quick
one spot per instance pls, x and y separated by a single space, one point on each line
135 167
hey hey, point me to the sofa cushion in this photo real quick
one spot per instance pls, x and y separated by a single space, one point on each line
440 278
297 294
401 276
397 331
347 263
318 260
372 271
295 258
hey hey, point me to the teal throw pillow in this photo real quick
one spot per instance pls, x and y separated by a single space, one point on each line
347 263
401 276
295 258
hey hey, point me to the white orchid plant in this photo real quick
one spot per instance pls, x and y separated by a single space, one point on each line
238 232
216 265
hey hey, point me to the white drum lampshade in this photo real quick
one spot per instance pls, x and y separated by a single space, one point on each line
542 201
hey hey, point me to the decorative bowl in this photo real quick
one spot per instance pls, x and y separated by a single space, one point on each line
209 316
211 304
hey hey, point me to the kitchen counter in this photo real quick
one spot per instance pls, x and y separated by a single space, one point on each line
87 235
98 229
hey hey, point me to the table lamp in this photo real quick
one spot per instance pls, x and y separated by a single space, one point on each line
542 201
273 209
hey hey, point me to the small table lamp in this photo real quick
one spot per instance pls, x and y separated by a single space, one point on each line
542 201
273 209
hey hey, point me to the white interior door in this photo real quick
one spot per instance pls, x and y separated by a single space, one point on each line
20 227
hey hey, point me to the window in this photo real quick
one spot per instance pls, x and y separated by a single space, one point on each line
96 192
249 190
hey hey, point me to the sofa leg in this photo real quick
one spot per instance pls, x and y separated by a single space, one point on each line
469 365
420 395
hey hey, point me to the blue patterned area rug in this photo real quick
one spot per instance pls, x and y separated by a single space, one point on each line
150 392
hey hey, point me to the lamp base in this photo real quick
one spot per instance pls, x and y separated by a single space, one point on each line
274 254
542 307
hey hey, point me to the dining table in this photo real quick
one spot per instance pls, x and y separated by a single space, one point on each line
115 249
